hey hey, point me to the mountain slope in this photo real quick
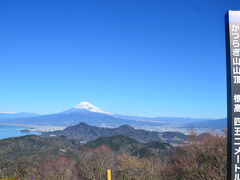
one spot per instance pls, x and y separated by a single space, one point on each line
122 144
83 132
29 151
27 155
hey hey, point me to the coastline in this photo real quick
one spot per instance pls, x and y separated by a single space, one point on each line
35 128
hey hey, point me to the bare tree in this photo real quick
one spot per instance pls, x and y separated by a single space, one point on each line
93 163
204 158
62 168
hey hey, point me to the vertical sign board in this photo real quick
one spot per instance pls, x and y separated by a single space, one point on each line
232 27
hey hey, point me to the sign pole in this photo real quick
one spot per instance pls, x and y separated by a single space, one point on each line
109 174
232 29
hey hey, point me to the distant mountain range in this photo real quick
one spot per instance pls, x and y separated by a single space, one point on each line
213 124
92 115
9 115
85 133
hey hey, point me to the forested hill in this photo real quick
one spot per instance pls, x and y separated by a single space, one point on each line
84 133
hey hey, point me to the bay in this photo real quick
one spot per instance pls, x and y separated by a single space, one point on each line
13 131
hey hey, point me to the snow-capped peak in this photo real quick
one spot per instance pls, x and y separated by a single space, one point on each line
89 107
7 112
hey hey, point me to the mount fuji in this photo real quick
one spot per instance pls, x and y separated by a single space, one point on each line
83 112
86 106
92 115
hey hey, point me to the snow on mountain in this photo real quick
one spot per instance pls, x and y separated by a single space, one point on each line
7 112
89 107
92 115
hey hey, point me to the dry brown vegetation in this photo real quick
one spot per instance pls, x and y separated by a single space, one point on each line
202 158
93 163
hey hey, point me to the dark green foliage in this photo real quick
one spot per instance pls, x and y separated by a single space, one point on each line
121 144
143 152
114 142
29 151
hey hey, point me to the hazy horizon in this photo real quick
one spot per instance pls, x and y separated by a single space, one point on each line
115 113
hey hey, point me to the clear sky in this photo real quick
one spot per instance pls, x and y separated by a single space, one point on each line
133 57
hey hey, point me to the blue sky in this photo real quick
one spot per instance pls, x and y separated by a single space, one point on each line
133 57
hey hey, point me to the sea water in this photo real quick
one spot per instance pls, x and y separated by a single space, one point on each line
13 131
